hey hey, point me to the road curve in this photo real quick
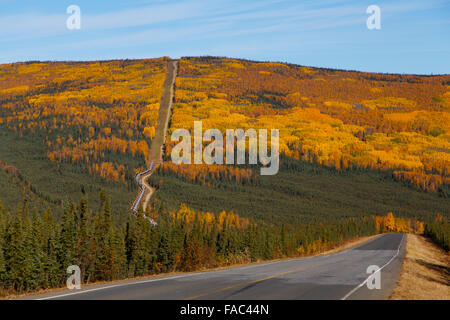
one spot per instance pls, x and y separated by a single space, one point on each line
336 276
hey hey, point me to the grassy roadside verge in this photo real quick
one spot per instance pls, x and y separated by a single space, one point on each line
425 271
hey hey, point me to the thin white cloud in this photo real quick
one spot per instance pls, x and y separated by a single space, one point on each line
195 27
238 14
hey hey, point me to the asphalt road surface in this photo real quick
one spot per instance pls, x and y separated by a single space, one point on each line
341 275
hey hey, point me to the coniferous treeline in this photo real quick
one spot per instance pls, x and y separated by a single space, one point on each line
37 248
439 232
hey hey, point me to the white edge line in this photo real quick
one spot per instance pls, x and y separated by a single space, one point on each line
187 275
369 277
151 280
112 286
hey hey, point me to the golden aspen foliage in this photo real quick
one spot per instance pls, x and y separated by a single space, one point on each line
108 104
390 223
342 119
149 132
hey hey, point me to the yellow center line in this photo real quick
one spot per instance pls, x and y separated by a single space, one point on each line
245 283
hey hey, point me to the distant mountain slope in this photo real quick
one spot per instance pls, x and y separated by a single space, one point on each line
337 118
74 128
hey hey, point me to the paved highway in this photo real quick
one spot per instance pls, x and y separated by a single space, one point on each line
340 275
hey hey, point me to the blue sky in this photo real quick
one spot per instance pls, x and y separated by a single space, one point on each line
414 35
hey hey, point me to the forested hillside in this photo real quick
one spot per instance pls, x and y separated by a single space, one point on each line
337 118
361 153
72 128
301 192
